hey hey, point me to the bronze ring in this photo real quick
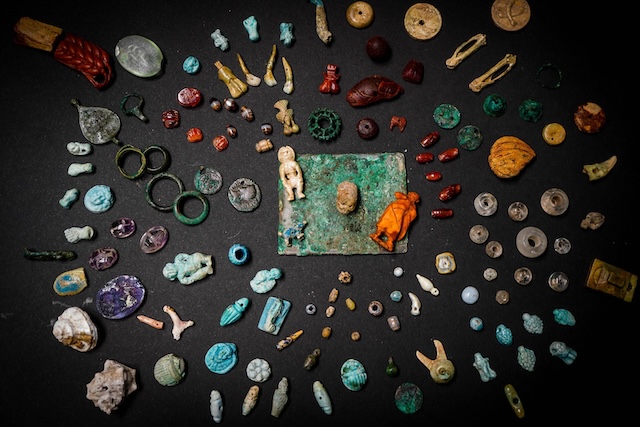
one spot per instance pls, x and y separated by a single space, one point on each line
122 153
549 66
153 181
166 159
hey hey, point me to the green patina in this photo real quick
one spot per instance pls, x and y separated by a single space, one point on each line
378 177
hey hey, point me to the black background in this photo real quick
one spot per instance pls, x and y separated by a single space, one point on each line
43 380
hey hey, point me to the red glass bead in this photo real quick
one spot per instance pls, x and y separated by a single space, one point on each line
448 155
170 118
449 192
189 97
220 142
424 158
442 213
194 135
433 176
430 139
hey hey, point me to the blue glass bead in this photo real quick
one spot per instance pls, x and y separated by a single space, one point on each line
238 254
191 65
98 199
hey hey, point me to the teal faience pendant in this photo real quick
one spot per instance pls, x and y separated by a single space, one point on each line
234 312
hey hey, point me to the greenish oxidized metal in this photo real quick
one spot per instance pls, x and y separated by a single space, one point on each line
328 232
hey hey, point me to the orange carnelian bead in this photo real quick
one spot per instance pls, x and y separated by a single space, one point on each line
194 135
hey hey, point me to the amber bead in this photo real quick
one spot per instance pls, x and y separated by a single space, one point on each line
413 72
423 158
433 176
442 213
170 118
449 192
189 97
430 139
448 154
220 142
367 128
194 135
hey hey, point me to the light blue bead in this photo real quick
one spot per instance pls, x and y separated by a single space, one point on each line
482 366
98 199
476 324
238 254
470 295
191 65
396 296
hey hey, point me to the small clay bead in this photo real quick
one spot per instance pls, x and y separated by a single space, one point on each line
375 308
367 128
329 311
351 305
393 323
326 332
333 295
355 336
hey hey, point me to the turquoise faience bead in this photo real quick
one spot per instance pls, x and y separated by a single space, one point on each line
564 317
238 254
532 323
191 65
234 311
221 357
273 315
526 358
169 370
476 324
563 352
219 40
98 199
482 366
504 335
353 375
396 296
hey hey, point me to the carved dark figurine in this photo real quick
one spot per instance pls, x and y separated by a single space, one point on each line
373 89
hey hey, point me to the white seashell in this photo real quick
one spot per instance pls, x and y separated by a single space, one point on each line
415 304
427 285
250 400
109 387
322 397
215 405
74 328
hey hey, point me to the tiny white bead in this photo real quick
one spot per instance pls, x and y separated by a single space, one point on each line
398 271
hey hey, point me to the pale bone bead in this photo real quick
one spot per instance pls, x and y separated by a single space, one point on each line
351 304
333 295
330 310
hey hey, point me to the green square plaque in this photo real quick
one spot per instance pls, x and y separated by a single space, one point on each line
378 177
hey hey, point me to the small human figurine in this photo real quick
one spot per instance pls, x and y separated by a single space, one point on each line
331 77
290 173
189 268
395 220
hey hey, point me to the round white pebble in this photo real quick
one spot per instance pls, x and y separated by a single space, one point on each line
470 295
398 271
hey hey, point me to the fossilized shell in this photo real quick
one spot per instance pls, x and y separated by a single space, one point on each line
74 328
554 201
109 387
322 397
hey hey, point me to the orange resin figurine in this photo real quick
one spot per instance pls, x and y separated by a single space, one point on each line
395 220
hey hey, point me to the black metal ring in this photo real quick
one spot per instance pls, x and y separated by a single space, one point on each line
549 66
153 181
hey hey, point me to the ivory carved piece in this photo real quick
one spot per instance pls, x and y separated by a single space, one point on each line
494 74
440 368
465 50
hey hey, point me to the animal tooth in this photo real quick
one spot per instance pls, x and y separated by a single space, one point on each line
427 285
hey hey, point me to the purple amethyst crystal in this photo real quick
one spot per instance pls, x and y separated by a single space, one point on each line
123 227
154 239
120 297
103 258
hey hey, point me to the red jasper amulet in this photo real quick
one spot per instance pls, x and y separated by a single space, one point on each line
331 77
413 72
424 158
430 139
448 155
433 176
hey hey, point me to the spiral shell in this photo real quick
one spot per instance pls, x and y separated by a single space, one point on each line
74 328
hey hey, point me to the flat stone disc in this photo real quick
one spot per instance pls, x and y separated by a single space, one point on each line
139 56
422 21
469 137
244 195
409 398
207 180
510 15
446 116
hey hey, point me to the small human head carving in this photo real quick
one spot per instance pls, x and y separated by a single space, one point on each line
347 197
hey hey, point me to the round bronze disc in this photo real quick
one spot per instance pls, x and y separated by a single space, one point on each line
510 15
422 21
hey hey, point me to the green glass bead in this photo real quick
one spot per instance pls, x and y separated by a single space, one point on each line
494 105
392 368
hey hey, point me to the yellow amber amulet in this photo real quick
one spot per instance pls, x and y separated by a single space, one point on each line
514 400
554 134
